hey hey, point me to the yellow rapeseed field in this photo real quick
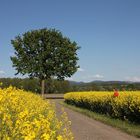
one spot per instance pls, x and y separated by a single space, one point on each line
26 116
126 106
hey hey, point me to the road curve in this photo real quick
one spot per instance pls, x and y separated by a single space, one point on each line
85 128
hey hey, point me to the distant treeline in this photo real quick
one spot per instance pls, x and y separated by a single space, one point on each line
34 85
55 86
106 86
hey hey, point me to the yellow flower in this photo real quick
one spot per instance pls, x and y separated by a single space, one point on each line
59 137
45 136
126 104
25 115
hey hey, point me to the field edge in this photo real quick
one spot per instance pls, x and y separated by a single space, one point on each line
131 129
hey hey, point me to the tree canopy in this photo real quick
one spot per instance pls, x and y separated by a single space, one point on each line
45 53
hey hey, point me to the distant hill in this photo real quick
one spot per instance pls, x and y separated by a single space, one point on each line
102 82
104 85
76 83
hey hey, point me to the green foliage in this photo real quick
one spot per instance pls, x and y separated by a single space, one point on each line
45 53
105 86
52 85
55 86
26 84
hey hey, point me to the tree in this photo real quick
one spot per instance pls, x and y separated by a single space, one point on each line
45 53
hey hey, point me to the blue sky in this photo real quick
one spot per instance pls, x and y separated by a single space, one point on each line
108 32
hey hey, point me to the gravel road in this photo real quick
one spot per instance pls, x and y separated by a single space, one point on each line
85 128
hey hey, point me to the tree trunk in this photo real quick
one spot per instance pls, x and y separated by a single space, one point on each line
42 88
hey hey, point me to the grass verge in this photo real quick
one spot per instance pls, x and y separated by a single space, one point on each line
125 126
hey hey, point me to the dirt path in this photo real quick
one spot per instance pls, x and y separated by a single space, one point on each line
85 128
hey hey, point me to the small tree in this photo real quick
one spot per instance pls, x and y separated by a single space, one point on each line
45 53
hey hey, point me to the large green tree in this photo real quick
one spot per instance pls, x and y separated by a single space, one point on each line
45 53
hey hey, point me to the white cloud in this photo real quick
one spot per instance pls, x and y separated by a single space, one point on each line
133 78
2 72
89 78
69 78
98 76
80 70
